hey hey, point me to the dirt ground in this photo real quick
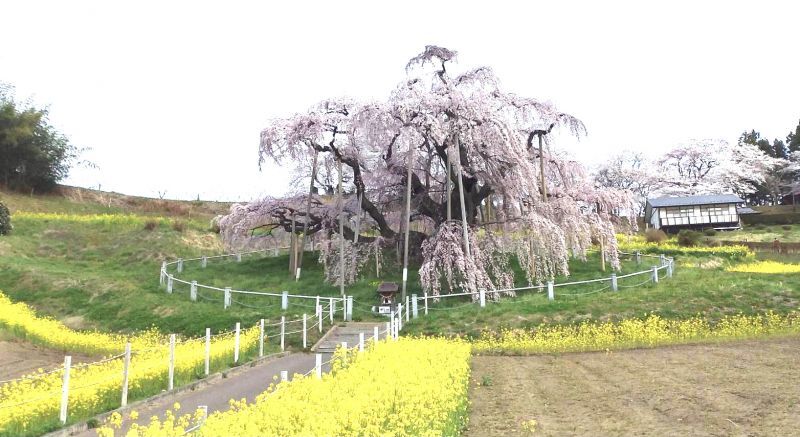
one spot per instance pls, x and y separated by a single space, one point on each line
20 358
740 389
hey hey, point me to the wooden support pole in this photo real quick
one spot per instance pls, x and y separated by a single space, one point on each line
407 221
341 230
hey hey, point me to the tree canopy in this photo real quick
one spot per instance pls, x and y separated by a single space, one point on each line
35 155
436 134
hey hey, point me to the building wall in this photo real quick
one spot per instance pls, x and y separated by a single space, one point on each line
698 215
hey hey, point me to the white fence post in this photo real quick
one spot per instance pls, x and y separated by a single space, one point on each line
361 342
261 338
638 257
227 298
426 303
126 363
169 283
655 274
171 362
180 265
399 317
662 259
193 291
318 366
551 295
163 272
238 257
350 308
236 343
204 261
319 318
317 305
613 282
305 334
414 306
65 390
331 308
669 268
283 332
389 328
407 307
297 275
375 334
285 300
482 297
344 308
284 375
208 350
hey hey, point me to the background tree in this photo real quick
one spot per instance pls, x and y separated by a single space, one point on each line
714 167
778 178
793 140
628 170
441 134
35 156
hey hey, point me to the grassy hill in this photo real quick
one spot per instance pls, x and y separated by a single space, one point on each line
88 259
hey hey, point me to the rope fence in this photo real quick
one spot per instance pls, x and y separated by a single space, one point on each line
169 280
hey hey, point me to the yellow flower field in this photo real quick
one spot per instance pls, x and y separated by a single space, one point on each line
20 320
631 333
408 387
765 267
30 405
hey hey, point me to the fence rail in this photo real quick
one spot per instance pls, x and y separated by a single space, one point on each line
168 279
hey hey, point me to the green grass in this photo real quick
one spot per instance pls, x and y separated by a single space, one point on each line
760 233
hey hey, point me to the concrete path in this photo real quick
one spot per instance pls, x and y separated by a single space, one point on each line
246 383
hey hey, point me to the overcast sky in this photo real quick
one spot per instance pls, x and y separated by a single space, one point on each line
171 96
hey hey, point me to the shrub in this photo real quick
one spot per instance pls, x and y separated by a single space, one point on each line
655 236
179 226
150 225
5 220
213 226
710 232
688 238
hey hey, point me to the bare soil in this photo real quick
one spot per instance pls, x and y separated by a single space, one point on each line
740 389
20 358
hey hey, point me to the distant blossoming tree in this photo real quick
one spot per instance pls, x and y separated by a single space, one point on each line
436 135
712 167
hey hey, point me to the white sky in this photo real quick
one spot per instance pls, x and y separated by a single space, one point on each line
171 96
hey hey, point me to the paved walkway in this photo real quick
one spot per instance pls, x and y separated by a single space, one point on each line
247 383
